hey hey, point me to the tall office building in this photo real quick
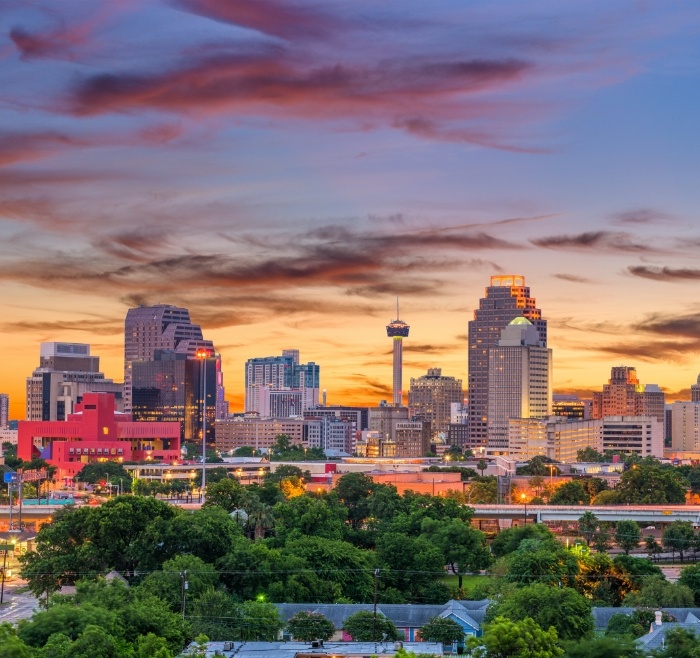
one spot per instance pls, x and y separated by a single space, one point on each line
268 377
506 298
4 410
160 327
171 387
397 330
66 372
623 395
520 381
431 397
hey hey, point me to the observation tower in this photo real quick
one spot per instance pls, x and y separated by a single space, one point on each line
398 330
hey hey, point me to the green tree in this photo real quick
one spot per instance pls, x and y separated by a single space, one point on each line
604 647
481 466
353 491
112 472
463 547
651 546
533 564
570 493
658 593
11 646
690 577
602 539
587 525
679 643
636 569
362 627
563 608
440 629
505 638
649 483
305 516
245 451
509 540
152 646
627 535
589 455
308 626
227 493
678 536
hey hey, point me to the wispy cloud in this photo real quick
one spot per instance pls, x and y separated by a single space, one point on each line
595 241
671 274
572 278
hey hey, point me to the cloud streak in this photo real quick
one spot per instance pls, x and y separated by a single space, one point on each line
669 274
595 241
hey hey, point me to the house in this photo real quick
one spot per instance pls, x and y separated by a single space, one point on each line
317 649
408 618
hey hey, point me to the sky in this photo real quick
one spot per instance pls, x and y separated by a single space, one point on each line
286 169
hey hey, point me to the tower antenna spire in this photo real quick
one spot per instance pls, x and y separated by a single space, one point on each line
397 307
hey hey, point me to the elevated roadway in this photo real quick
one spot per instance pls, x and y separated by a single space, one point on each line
651 514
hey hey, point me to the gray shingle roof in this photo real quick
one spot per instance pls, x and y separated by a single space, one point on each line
290 649
655 639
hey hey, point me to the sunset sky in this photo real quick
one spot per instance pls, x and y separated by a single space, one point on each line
284 169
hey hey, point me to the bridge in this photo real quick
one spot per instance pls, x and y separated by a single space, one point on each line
651 514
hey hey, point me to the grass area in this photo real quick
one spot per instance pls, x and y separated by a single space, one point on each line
468 582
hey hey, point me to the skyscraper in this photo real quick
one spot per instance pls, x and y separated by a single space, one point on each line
66 371
4 410
268 377
431 397
695 391
623 395
506 298
398 330
160 327
520 380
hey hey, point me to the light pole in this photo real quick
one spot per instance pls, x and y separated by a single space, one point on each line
524 499
202 355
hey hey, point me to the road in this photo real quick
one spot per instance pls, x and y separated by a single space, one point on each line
17 606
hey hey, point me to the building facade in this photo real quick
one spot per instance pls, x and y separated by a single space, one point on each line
643 435
66 372
553 438
4 410
171 387
96 432
624 395
520 376
685 427
695 391
148 329
507 297
431 397
265 376
261 433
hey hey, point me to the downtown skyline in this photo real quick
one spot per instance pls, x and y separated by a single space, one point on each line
284 171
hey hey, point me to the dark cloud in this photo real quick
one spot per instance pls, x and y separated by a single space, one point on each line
595 241
107 327
664 273
573 278
641 216
687 326
676 351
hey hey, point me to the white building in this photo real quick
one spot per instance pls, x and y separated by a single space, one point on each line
555 437
685 427
643 435
520 381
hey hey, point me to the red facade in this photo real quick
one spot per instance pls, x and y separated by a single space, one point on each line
97 432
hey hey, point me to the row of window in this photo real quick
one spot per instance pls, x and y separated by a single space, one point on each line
95 451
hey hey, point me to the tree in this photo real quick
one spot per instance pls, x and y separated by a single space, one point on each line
570 493
11 646
602 539
587 526
678 536
589 455
439 629
509 540
112 472
627 535
605 647
658 593
353 490
504 638
308 626
650 483
563 608
245 451
679 643
226 493
534 563
304 516
651 546
690 577
482 466
362 627
464 547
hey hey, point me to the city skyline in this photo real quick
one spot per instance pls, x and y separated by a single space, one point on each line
285 171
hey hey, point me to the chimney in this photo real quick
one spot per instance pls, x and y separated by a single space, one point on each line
657 620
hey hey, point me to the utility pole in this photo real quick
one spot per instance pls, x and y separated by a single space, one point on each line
185 586
374 617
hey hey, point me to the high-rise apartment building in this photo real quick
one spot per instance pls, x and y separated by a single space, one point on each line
66 372
268 378
685 427
431 397
520 381
506 298
4 410
160 327
569 406
623 395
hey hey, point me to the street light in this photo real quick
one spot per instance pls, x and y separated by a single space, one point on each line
523 497
202 355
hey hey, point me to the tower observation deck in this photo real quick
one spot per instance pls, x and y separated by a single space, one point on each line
398 330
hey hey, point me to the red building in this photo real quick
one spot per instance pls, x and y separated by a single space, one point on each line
96 432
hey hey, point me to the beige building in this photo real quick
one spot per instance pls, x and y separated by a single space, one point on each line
685 427
623 395
431 397
555 438
260 434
